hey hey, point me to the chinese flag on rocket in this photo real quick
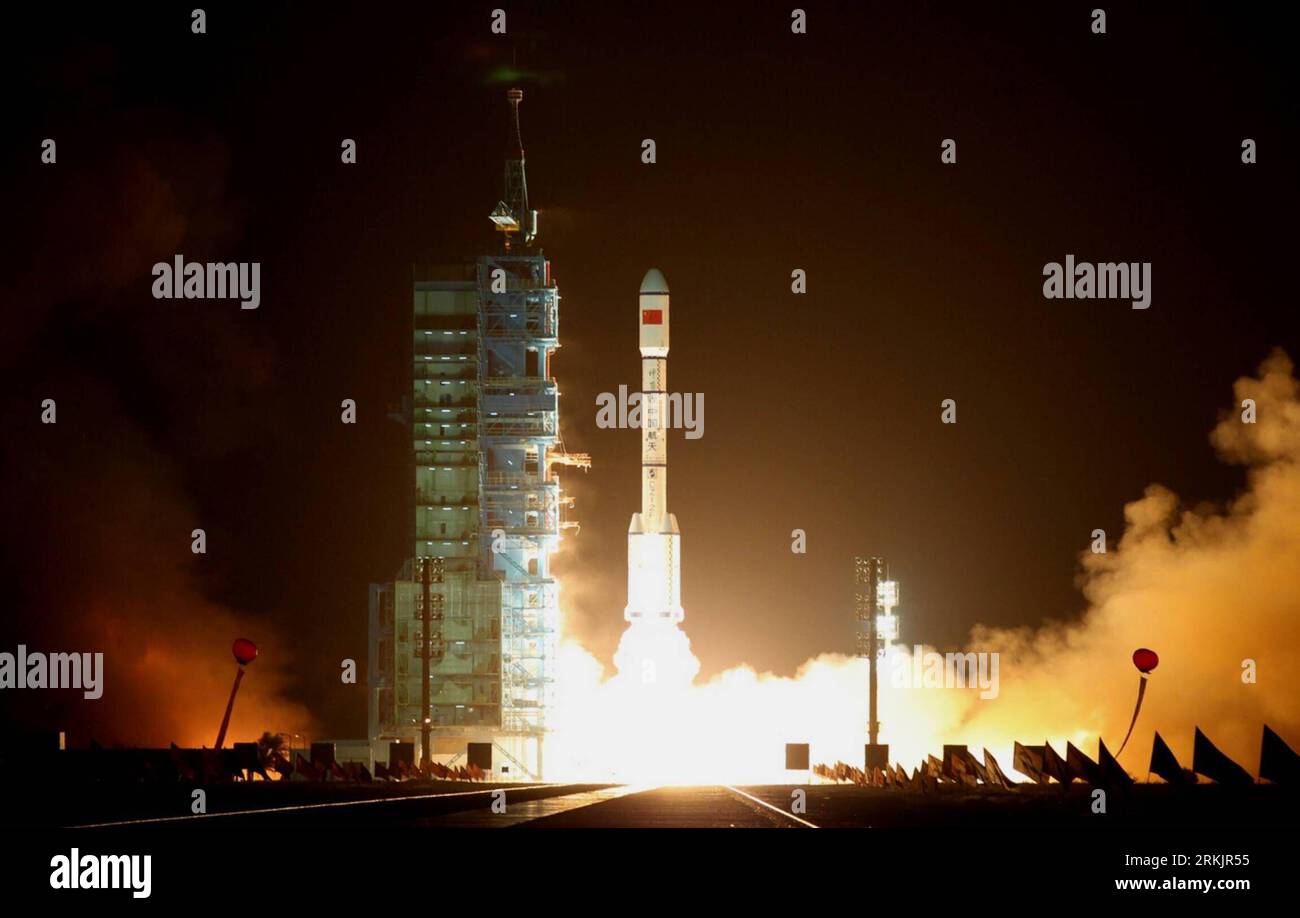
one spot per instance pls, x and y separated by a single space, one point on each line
652 317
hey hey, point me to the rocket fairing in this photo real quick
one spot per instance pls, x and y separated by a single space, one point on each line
654 565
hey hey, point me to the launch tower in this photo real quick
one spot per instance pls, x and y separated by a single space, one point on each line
484 420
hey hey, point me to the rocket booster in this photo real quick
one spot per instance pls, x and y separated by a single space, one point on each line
653 540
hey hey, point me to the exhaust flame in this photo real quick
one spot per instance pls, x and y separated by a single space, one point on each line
1216 590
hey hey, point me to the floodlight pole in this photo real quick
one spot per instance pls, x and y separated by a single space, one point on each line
873 724
426 698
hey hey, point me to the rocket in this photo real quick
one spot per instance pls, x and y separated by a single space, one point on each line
654 559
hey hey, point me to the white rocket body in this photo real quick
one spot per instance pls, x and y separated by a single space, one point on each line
654 565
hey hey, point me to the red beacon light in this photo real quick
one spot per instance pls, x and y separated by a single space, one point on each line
1145 660
245 651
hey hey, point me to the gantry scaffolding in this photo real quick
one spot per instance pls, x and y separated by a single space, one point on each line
484 420
519 405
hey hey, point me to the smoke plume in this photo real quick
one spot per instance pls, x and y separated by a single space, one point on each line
1214 589
99 508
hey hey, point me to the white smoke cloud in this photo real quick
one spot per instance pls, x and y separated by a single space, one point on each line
1210 588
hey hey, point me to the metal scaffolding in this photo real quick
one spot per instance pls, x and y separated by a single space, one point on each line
521 502
470 654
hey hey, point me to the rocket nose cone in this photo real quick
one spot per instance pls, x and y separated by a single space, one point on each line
654 282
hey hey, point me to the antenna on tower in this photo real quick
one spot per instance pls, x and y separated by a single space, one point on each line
512 216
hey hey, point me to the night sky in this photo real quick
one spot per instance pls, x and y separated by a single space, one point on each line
775 151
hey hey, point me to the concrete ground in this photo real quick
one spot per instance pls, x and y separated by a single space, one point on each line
459 805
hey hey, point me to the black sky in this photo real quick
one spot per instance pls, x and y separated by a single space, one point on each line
775 152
